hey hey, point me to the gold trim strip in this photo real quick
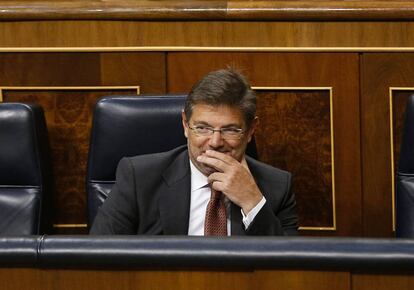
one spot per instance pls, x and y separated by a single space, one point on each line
293 88
392 161
67 88
401 89
64 226
332 158
330 89
332 229
205 48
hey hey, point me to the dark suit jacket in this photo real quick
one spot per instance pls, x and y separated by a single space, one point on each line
152 196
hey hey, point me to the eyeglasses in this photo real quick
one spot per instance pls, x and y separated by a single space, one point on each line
226 133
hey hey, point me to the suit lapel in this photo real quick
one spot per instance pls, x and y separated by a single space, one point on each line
174 203
253 170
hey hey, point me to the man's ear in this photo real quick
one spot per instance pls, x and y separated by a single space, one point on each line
253 126
185 124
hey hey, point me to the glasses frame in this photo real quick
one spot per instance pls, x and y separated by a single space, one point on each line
212 130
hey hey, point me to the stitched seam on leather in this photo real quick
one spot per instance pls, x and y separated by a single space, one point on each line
39 249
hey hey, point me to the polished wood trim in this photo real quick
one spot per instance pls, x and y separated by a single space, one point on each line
320 10
207 10
112 10
330 89
204 48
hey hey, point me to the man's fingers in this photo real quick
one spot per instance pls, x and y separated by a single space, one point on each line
219 186
221 156
216 176
213 162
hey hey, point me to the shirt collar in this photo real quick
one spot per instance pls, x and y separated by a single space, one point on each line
198 179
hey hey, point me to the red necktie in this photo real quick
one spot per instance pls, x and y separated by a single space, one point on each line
216 219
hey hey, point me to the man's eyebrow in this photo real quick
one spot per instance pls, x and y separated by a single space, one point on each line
202 123
232 125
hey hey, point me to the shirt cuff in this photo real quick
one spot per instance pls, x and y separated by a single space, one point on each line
247 219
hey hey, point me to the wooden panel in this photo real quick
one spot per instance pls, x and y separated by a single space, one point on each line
379 73
48 279
299 280
13 279
131 68
270 34
295 125
49 69
69 113
36 279
298 70
382 282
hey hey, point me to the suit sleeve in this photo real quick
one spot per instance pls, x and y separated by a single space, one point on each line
119 213
276 218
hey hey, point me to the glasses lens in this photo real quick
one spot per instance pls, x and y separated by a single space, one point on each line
231 133
203 131
226 133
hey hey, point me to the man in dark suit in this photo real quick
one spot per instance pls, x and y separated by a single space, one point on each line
209 187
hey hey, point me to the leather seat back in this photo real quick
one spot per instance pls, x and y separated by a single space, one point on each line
405 177
25 170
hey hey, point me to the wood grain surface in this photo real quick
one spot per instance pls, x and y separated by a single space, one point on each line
295 135
48 279
270 34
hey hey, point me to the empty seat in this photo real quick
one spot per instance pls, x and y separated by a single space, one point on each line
25 170
405 177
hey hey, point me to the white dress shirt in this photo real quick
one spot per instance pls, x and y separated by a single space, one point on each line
200 196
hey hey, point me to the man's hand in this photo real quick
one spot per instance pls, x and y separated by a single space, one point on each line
233 179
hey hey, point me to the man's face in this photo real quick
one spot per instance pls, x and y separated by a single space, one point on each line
216 117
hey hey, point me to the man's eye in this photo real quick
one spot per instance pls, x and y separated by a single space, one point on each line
202 128
231 130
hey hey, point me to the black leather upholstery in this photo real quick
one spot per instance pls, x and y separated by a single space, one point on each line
243 253
128 126
25 170
19 251
405 177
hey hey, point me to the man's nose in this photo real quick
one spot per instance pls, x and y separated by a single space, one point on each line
216 140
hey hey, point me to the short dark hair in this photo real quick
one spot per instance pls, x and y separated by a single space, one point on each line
223 87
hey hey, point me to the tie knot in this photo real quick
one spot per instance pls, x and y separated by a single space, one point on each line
215 194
